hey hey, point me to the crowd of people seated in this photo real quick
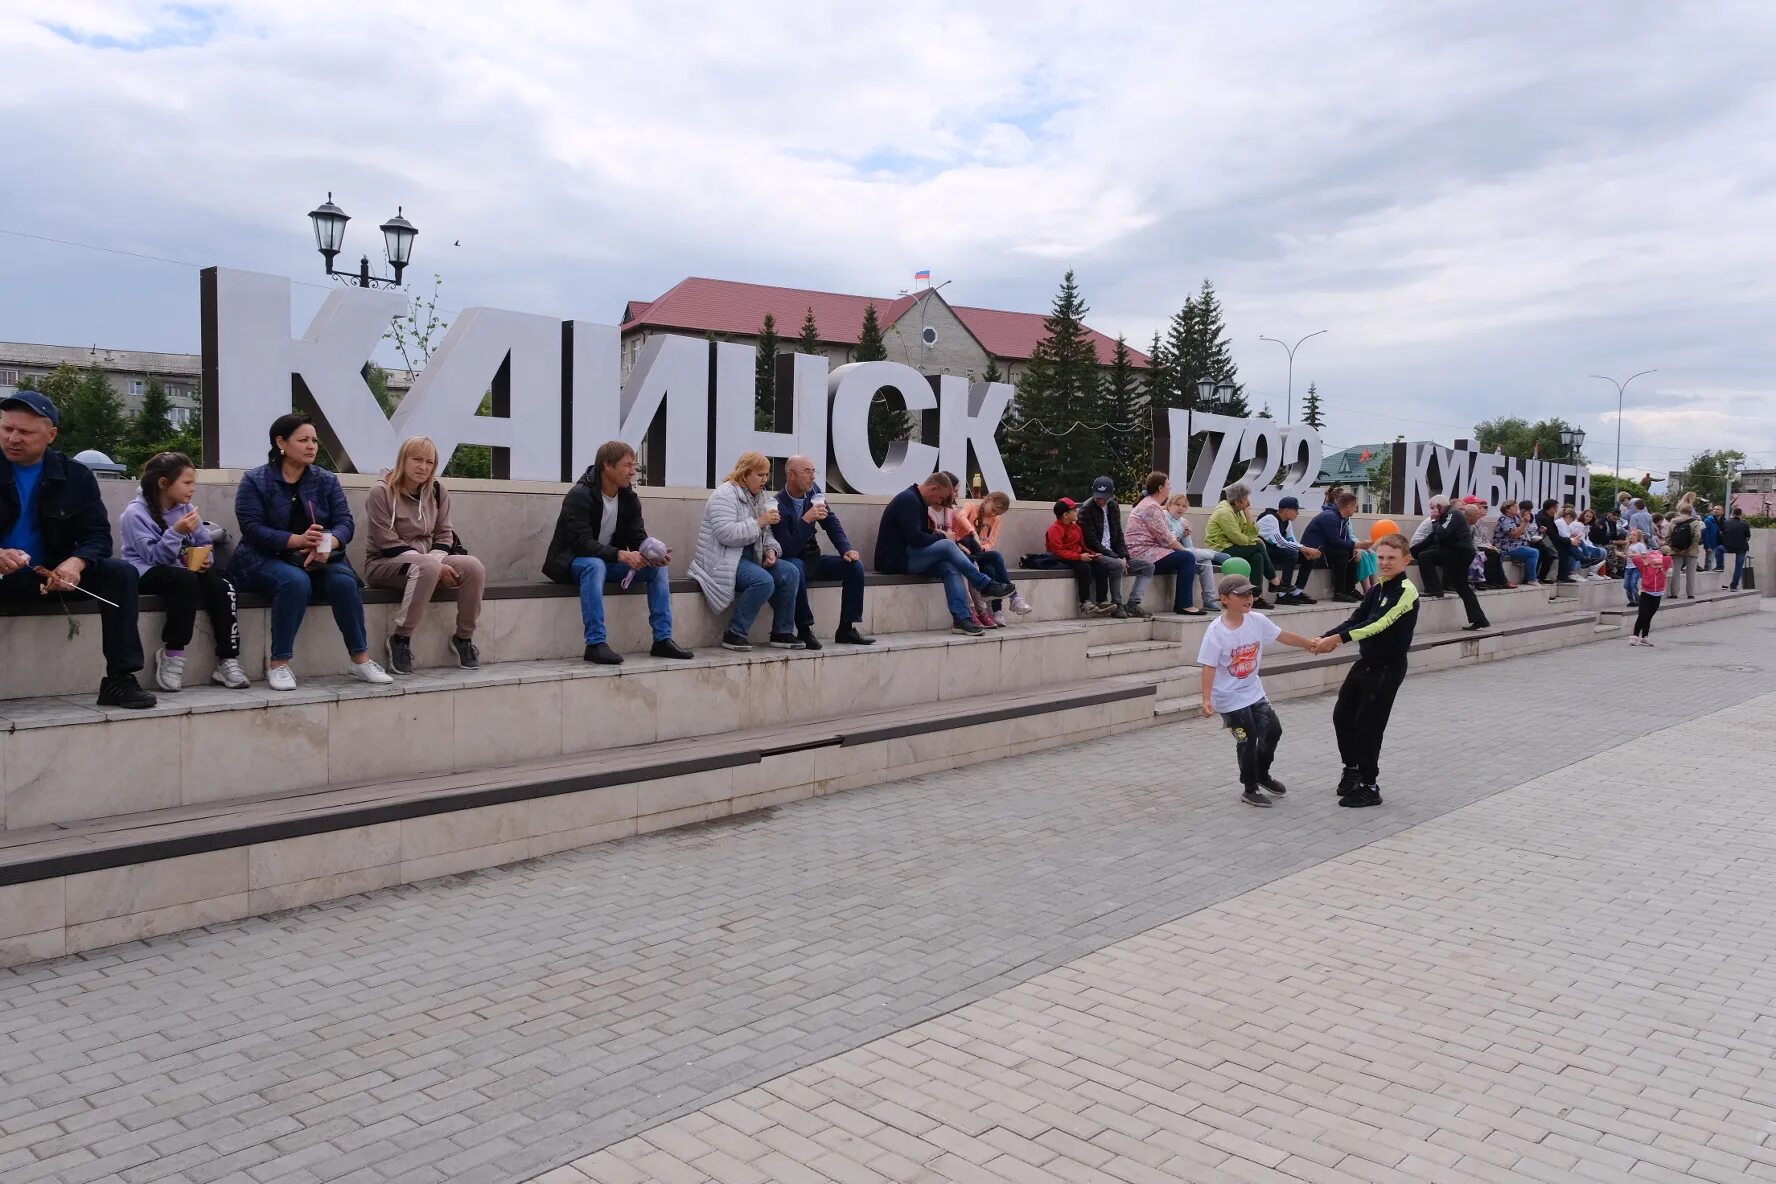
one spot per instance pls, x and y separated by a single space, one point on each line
753 548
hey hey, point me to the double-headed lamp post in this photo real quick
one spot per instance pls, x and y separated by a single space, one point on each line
397 237
1206 391
1291 349
1572 439
1621 387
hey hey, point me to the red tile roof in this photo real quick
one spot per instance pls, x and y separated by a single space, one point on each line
701 305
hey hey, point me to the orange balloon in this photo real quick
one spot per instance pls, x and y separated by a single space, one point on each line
1382 529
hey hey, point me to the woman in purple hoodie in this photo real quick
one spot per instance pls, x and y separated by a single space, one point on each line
166 540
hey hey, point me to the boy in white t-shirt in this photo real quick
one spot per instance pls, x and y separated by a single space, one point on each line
1231 651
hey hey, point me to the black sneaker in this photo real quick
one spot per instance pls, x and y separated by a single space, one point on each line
1346 598
957 625
467 656
1117 611
602 655
1260 602
1302 598
734 641
849 635
1362 796
785 641
1476 626
1271 785
1133 609
667 648
997 591
122 690
1253 798
400 652
1348 783
808 640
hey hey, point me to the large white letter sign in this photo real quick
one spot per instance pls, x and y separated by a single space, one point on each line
968 417
250 358
853 386
1269 450
518 356
591 357
805 408
670 382
1422 469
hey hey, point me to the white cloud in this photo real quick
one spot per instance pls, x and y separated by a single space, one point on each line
1484 202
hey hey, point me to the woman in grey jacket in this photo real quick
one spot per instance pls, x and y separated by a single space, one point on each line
737 559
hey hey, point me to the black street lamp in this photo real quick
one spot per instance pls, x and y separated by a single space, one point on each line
1572 439
397 237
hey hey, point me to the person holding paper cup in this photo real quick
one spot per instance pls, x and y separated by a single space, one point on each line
166 541
294 524
55 536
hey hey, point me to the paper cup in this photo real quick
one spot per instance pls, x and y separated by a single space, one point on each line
196 557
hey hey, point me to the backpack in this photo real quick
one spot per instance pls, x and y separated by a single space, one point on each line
1683 535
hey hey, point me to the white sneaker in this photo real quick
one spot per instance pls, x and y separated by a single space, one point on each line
169 672
228 673
370 672
280 678
1019 605
999 618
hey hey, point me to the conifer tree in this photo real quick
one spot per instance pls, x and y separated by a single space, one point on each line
1126 408
153 422
992 372
764 377
92 415
809 342
888 421
1311 414
1051 444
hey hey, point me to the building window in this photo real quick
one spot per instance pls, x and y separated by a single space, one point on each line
138 386
9 377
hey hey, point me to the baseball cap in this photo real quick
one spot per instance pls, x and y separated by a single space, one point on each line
1288 503
1103 487
1234 586
1065 504
34 402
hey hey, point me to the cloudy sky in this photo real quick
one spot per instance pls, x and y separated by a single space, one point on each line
1484 203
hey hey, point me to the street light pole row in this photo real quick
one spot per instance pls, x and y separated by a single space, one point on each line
1621 389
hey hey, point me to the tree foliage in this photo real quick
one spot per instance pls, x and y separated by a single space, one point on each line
1516 436
1195 347
1707 474
1054 437
1311 413
764 377
889 419
92 414
809 342
1130 435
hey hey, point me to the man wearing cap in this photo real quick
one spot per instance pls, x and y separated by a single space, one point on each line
56 537
1293 560
1101 520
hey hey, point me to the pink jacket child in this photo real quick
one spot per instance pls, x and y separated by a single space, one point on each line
1653 568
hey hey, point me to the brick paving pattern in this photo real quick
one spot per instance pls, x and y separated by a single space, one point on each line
492 1026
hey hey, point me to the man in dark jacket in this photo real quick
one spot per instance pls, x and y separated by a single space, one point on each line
1565 560
1100 521
906 545
56 537
598 539
1452 539
1329 534
802 513
1735 536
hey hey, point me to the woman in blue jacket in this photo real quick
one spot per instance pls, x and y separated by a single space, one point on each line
294 525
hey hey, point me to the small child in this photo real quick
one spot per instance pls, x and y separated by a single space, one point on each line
1232 648
1382 628
1367 570
1097 578
1630 573
1653 567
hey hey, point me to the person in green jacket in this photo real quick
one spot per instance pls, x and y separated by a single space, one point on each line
1231 529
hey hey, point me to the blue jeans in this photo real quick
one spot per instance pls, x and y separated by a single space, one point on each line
993 564
754 584
1529 557
1631 583
1719 553
950 563
1590 555
1738 569
593 574
1183 565
290 587
829 567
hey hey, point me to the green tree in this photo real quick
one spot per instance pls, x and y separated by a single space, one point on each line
992 372
416 336
149 427
1131 426
92 415
809 341
1048 442
1516 436
1707 474
1381 478
1603 492
1196 347
764 377
889 419
1311 414
377 379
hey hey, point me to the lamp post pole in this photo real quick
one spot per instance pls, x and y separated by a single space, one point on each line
1621 389
397 234
1291 350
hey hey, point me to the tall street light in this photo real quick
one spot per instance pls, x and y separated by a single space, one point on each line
1291 349
1621 388
397 237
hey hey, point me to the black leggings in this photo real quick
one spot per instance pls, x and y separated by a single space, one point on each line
184 591
1648 606
1361 717
1256 731
1092 577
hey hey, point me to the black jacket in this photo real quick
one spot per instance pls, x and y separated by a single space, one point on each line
576 528
1453 531
1091 523
1735 535
70 513
801 540
1379 636
906 523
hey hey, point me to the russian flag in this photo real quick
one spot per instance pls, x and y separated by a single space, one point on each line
922 274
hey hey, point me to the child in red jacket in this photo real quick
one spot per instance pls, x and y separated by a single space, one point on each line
1092 572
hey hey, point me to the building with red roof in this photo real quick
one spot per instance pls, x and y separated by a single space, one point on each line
921 329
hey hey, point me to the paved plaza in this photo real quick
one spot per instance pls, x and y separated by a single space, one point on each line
1548 957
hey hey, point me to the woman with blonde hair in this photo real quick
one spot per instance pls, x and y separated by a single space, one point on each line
737 559
413 548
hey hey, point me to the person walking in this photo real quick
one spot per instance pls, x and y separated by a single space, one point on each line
1453 537
1736 539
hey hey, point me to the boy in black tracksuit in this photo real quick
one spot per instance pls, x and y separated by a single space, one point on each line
1382 628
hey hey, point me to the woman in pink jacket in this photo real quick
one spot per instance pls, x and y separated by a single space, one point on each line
1653 567
1149 536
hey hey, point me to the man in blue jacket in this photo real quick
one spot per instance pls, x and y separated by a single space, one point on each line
1714 556
802 513
906 545
1329 534
52 520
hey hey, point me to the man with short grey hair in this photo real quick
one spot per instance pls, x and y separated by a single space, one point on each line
802 513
